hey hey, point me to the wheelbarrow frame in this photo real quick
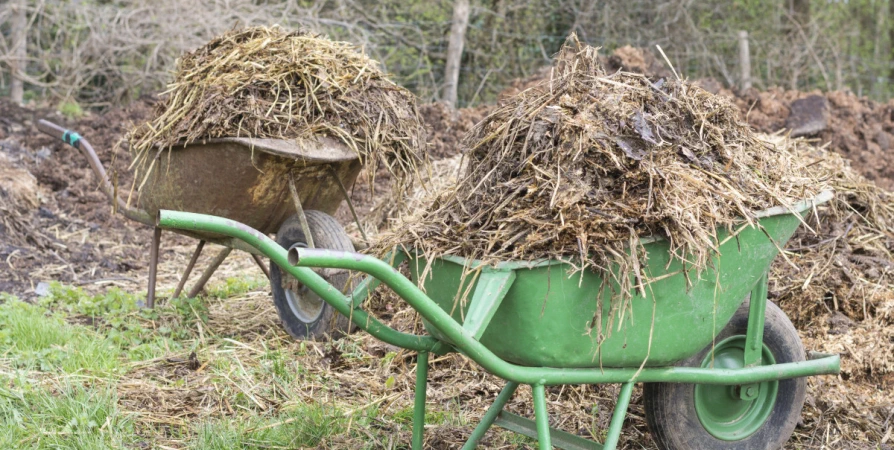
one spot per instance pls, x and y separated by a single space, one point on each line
299 263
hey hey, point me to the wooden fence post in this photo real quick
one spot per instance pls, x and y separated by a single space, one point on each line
19 35
744 61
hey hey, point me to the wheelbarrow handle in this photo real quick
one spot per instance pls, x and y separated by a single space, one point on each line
67 136
75 140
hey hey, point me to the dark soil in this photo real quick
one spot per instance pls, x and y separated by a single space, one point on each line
858 128
446 127
73 237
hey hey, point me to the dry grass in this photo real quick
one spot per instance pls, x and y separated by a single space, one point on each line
19 194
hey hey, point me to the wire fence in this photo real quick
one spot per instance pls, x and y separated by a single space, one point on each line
100 53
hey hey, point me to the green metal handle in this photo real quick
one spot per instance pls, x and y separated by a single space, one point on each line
277 254
463 339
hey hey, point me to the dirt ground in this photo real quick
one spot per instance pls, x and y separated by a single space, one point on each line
70 235
858 128
64 231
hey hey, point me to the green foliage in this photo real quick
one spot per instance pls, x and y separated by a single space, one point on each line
279 365
123 330
432 417
100 51
74 300
235 286
71 109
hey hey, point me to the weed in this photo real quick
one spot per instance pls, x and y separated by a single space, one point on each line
36 338
234 286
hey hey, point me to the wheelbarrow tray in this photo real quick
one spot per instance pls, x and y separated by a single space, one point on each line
546 318
246 179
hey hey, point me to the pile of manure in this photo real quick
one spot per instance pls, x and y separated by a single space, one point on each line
847 265
263 82
580 166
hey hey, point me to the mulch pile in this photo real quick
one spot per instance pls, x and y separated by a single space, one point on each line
271 83
846 306
858 128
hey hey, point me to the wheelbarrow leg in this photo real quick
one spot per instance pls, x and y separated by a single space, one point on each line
614 430
189 267
153 267
419 401
491 415
541 418
206 275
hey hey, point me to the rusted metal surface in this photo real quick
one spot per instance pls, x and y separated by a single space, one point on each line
242 179
254 181
230 180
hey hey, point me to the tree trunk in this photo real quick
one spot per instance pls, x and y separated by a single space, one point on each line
891 41
18 33
456 41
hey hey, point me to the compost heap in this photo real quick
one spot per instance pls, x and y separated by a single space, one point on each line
583 164
847 264
270 83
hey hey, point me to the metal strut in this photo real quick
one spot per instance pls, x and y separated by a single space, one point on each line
301 217
344 192
153 267
206 275
189 267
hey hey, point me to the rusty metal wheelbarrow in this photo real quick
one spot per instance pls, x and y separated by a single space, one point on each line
289 188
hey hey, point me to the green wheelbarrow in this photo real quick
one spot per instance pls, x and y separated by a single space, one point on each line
722 367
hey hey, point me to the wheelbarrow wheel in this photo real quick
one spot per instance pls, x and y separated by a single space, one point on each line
689 416
303 313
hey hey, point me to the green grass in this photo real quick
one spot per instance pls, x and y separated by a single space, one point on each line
303 427
71 109
235 286
36 339
64 359
66 416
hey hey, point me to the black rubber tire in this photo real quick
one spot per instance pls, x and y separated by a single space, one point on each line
327 233
670 407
